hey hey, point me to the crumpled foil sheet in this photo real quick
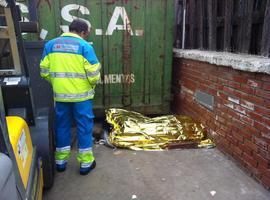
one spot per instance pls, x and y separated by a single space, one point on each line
135 131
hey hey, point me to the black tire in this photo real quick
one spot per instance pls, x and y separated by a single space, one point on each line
48 160
43 138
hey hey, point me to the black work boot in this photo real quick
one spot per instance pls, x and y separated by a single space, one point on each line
61 168
86 170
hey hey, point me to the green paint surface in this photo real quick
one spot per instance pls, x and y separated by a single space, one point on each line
142 63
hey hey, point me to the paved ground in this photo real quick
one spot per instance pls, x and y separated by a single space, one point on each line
199 174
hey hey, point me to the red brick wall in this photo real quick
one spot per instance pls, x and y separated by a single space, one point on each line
240 120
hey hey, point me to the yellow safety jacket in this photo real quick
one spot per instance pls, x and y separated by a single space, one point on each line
70 64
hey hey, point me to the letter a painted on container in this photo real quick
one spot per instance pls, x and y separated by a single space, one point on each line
65 13
119 12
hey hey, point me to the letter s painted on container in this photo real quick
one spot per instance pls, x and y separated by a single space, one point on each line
65 13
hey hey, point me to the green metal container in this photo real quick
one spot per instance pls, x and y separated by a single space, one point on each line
133 41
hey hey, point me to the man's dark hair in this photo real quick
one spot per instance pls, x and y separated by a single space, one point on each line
78 26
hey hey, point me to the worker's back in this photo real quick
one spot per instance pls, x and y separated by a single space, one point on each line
70 63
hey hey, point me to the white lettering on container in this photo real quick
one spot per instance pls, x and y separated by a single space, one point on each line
119 12
117 78
65 13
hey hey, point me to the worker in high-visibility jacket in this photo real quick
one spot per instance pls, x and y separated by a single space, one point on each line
70 64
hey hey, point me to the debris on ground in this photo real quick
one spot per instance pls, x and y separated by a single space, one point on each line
117 152
213 192
135 131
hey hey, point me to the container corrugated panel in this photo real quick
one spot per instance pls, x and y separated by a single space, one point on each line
132 39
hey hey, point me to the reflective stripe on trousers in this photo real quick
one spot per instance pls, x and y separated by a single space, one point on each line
62 154
85 157
86 165
60 162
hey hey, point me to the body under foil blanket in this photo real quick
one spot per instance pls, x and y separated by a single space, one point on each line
135 131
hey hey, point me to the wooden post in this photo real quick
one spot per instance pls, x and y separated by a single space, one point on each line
228 25
191 22
248 27
200 23
265 44
212 24
244 36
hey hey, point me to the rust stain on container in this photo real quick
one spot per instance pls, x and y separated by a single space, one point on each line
111 2
136 7
127 101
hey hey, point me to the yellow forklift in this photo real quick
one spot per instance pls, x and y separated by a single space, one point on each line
26 133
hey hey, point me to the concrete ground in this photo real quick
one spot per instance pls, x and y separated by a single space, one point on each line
197 174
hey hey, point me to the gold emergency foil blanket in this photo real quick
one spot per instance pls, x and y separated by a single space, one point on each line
137 132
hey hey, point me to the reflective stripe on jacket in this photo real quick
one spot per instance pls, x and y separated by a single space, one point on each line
70 64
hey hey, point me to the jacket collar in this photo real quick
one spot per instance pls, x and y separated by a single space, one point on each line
71 35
